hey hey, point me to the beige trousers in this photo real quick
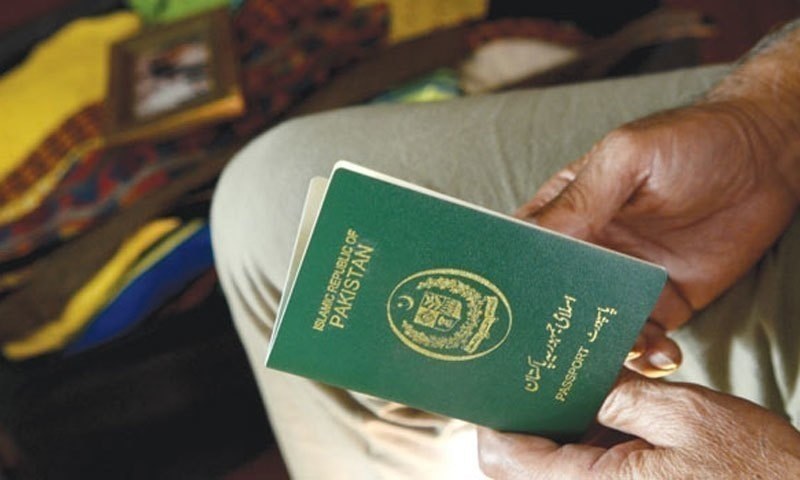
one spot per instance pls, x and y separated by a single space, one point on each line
494 151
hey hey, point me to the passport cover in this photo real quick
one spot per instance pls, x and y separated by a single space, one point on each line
408 295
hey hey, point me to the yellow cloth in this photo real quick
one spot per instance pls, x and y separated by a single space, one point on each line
61 76
412 18
92 297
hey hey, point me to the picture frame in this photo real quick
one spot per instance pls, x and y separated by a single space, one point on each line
168 79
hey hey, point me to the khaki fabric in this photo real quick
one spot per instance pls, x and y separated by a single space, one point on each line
494 151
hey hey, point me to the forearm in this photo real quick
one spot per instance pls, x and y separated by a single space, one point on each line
764 91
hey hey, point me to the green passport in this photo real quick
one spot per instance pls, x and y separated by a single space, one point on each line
412 296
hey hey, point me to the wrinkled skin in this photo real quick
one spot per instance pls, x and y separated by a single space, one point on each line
680 430
696 190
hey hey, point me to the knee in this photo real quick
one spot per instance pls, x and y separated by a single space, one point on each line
259 198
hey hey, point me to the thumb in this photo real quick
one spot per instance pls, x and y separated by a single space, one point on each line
656 411
609 177
551 189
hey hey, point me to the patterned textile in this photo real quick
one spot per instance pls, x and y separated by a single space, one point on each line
63 75
95 186
287 48
76 131
31 198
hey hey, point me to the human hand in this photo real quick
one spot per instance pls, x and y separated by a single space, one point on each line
697 190
683 430
703 190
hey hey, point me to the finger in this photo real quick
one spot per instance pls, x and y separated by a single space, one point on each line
638 348
619 455
600 436
661 413
613 172
551 188
515 456
658 355
672 309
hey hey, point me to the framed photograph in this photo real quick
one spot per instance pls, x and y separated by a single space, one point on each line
171 78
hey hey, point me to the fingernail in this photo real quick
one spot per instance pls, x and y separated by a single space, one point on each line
662 362
638 349
633 355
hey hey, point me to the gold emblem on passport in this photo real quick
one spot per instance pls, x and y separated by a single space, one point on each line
449 314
